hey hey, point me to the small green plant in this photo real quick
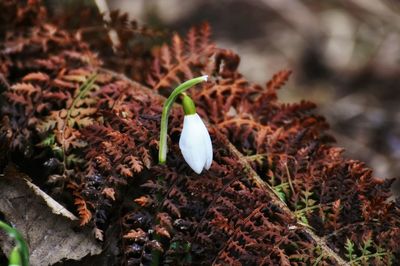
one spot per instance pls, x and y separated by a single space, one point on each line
365 253
19 256
305 206
281 191
320 253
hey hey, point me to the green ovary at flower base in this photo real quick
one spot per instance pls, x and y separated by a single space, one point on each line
195 141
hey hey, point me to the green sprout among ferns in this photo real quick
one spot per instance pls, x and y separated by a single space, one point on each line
19 256
363 254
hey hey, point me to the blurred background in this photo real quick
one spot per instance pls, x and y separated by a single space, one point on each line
345 56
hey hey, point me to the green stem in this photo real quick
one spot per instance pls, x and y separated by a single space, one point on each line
310 208
21 244
162 153
282 185
15 257
377 254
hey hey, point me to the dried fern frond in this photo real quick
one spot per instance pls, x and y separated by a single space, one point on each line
278 192
183 60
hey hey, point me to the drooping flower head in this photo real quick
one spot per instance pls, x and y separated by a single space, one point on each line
195 142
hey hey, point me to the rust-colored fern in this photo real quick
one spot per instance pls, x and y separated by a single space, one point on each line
183 60
278 192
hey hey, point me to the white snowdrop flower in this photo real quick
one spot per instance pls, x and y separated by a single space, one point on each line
195 143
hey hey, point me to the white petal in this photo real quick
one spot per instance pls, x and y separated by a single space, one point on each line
190 144
195 143
207 145
209 151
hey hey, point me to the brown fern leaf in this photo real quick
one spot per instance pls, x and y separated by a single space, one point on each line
304 168
42 55
182 61
278 80
82 208
17 14
83 211
64 124
117 151
224 99
256 203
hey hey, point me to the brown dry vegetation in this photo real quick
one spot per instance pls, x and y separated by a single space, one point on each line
83 123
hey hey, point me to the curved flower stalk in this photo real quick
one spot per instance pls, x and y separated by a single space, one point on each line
195 141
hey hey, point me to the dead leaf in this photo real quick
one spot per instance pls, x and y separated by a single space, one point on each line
55 207
99 234
50 237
